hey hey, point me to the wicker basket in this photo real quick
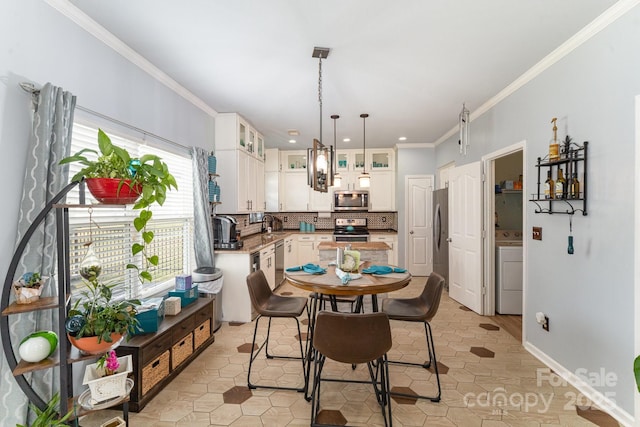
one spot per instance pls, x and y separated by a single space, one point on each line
107 387
201 334
155 371
181 350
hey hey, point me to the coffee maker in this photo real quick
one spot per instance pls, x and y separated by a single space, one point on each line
224 233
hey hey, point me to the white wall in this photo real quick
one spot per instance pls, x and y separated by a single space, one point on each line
410 161
588 296
39 45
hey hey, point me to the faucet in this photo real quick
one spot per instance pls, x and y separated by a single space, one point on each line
264 218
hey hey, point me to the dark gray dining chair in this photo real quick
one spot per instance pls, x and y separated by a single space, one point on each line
267 304
353 338
419 309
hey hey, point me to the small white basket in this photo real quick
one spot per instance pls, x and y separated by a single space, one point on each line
107 387
114 422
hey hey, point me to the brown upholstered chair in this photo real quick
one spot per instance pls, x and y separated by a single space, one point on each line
267 304
420 309
353 338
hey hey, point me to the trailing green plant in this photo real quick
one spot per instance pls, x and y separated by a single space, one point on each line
148 171
49 417
95 314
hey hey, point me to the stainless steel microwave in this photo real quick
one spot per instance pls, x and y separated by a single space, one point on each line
351 201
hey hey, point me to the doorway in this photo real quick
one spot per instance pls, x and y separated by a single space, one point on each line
505 245
419 226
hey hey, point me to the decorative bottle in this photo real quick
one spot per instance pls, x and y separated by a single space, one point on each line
561 186
549 186
575 187
554 147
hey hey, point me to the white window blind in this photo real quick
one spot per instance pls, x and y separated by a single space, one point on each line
111 229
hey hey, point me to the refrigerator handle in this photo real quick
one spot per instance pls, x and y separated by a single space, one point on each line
438 227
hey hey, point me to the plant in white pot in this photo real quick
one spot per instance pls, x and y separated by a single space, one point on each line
107 378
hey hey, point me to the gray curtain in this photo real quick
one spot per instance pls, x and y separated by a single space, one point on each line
50 141
203 229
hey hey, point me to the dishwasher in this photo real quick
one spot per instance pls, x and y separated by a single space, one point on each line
279 262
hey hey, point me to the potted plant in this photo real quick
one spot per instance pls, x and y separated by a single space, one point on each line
636 371
29 287
143 181
49 417
97 324
107 378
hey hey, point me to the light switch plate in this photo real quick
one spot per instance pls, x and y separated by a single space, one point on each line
537 233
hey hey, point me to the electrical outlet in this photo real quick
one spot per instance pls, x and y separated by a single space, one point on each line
315 219
384 219
285 219
545 325
537 233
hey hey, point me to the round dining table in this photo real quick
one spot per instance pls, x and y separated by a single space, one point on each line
330 284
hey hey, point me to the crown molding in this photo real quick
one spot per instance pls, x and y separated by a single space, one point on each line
594 27
98 31
417 145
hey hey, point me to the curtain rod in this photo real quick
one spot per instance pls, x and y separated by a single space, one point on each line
30 88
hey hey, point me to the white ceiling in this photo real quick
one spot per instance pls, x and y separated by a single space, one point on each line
409 64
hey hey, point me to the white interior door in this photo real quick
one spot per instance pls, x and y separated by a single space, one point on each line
465 231
418 190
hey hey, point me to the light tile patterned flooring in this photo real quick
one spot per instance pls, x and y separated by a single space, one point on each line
488 380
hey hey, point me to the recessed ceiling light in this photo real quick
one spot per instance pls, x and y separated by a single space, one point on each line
346 140
402 138
293 132
292 141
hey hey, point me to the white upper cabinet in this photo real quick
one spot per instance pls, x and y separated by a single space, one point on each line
241 171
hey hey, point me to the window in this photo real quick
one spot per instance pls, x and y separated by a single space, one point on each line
112 232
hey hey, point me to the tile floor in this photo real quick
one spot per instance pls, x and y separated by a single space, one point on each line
488 380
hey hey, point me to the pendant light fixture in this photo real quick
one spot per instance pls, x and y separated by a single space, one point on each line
337 179
364 179
320 157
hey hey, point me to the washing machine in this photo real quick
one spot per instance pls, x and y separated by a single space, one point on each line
509 273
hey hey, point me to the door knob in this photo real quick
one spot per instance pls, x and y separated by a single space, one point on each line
411 232
449 239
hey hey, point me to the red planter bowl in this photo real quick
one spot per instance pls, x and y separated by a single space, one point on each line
105 190
90 345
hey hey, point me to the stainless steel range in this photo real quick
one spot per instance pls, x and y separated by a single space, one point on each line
351 230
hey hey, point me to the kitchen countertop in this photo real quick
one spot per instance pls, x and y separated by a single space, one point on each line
257 242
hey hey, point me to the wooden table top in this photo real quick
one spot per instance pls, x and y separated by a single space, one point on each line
330 283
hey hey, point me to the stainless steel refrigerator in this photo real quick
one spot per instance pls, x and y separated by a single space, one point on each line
441 233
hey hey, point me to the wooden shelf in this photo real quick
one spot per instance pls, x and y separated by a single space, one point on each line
25 367
45 303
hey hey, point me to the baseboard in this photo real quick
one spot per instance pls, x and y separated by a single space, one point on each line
604 403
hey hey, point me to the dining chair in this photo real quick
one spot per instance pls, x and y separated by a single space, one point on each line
353 338
267 304
354 301
419 309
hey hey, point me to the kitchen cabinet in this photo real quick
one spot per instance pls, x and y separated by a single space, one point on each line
268 264
308 246
294 192
380 160
392 241
320 202
260 152
382 191
290 252
272 180
240 164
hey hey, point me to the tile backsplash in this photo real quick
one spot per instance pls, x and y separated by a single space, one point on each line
322 222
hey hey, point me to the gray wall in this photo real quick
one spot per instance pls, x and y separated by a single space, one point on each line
588 296
409 161
40 45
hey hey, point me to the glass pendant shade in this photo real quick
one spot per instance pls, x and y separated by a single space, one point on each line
364 180
321 163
